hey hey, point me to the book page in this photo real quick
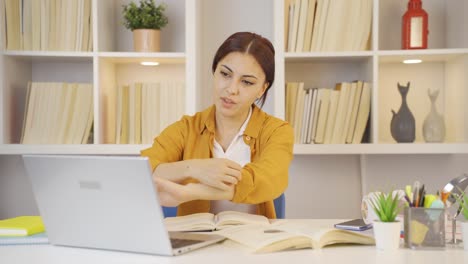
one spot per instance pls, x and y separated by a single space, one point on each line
338 236
233 218
193 222
323 236
263 239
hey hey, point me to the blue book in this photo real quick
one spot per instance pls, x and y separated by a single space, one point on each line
39 238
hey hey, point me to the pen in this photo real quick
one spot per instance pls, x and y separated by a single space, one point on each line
422 193
408 200
423 199
416 193
408 192
444 196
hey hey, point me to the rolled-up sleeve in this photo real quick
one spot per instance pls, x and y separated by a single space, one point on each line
168 146
266 177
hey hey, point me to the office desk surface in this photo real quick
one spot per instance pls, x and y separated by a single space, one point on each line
230 252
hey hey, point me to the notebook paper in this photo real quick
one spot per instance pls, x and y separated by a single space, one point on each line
39 238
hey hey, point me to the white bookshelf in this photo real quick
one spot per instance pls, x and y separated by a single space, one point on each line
197 28
110 63
192 36
444 67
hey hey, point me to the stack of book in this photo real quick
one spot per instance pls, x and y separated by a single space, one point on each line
327 25
22 230
58 113
143 110
48 25
328 116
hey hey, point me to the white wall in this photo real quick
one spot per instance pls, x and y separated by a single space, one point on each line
331 186
320 186
16 197
324 186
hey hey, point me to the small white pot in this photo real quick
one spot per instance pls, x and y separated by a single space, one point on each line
387 235
464 227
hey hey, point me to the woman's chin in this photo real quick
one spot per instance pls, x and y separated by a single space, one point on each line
227 111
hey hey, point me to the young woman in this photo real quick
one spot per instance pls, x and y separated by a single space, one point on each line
232 155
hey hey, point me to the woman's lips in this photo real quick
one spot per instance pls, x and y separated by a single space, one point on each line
227 102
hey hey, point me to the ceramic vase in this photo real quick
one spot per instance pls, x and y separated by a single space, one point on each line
464 227
146 40
434 124
387 235
403 125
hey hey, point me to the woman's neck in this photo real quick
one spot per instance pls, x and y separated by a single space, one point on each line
228 127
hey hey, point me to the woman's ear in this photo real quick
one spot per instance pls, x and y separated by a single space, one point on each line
264 88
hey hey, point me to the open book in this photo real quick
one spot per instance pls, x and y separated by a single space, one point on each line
210 222
293 235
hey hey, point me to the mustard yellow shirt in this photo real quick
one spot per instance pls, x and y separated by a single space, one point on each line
271 142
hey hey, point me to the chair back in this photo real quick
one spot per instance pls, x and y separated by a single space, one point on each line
280 208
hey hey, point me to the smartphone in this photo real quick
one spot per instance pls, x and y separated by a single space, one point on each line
355 225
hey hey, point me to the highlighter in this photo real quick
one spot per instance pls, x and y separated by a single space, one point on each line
429 199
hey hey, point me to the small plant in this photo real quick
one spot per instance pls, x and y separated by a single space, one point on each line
462 200
145 16
386 206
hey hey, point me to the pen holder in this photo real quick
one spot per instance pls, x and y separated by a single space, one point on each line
424 228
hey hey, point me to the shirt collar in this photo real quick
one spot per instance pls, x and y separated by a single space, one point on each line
244 125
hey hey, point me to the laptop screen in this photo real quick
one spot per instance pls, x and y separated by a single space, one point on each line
106 202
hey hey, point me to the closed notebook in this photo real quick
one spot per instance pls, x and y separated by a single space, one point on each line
21 226
39 238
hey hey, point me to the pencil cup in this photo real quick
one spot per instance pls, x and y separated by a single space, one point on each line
464 226
424 228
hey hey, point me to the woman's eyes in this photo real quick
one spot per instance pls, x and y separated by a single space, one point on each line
227 75
247 82
223 73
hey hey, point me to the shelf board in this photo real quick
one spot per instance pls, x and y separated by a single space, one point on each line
428 55
84 149
50 55
299 149
136 57
348 56
411 148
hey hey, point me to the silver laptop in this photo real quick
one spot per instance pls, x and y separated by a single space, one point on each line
104 202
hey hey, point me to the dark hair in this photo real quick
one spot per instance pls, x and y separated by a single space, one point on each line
257 46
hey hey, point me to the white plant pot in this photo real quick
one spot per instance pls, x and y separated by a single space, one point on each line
387 235
464 227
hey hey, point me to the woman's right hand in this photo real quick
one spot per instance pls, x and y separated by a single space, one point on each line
217 172
173 194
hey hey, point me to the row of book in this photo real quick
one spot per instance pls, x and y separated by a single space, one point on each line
327 25
58 25
58 113
143 110
326 115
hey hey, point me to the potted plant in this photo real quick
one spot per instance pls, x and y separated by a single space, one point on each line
145 21
386 229
462 200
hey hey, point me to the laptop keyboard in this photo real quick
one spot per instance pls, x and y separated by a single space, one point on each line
178 242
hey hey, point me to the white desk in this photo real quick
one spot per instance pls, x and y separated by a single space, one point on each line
231 252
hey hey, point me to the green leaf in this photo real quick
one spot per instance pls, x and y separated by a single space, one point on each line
462 200
386 206
146 15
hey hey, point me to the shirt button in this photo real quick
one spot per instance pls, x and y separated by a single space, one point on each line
247 138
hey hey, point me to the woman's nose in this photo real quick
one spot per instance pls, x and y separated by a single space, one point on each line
233 88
